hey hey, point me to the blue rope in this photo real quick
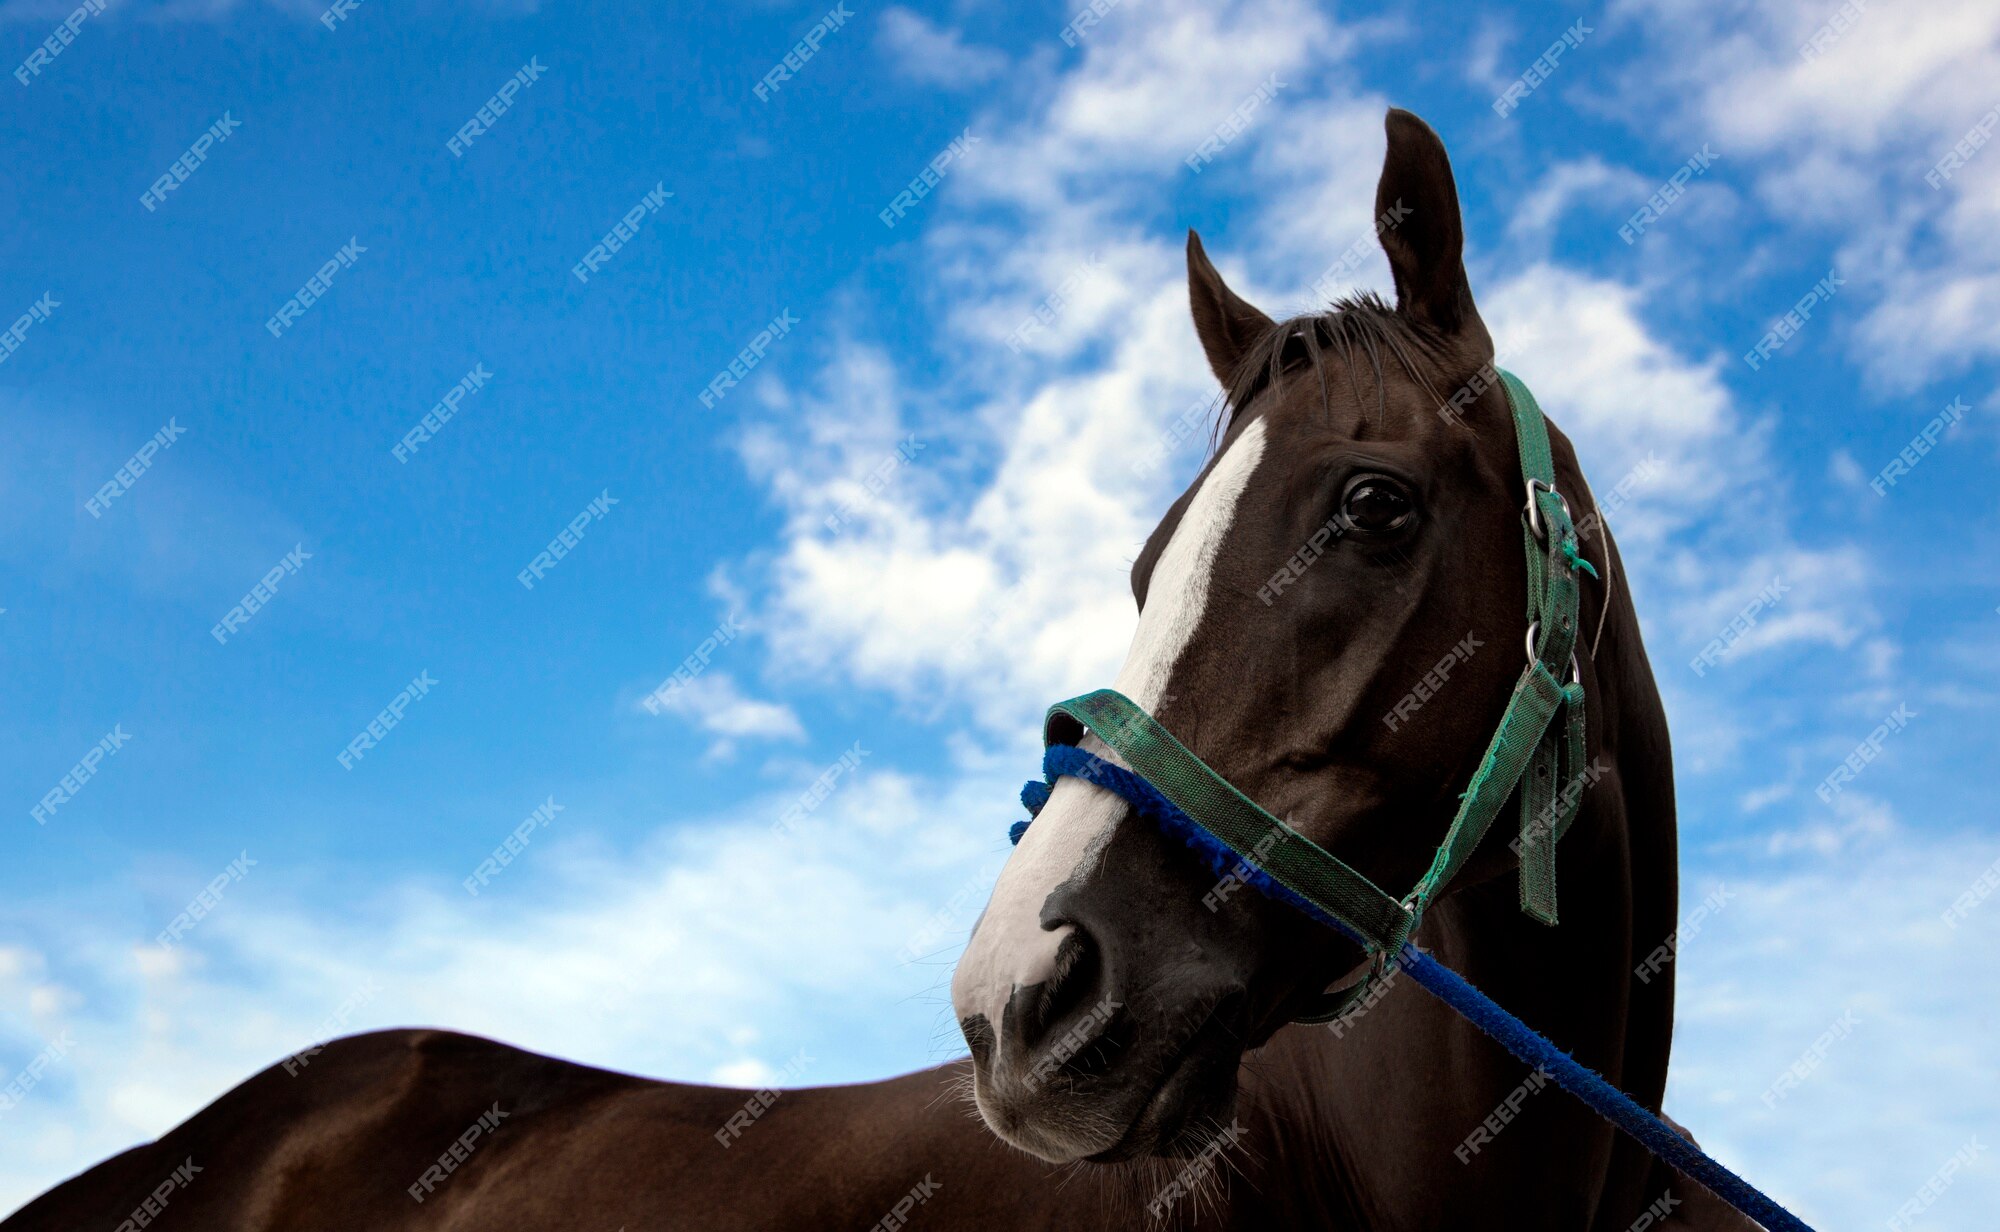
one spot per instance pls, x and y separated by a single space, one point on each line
1440 981
1589 1086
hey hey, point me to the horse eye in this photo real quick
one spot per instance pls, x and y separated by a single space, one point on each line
1375 504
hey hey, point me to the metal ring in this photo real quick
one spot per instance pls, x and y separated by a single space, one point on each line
1534 511
1575 668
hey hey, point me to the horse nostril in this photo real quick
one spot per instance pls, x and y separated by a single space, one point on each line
978 1034
1034 1008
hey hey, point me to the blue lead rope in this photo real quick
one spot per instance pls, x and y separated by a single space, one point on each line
1590 1086
1440 981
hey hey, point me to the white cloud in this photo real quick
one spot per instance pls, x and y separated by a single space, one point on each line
1832 829
1789 956
750 1073
715 704
1151 85
1758 799
1484 54
1584 181
1845 471
1843 141
933 55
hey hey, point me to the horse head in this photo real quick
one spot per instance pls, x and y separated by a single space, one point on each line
1330 616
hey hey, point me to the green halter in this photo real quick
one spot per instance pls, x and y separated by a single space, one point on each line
1529 750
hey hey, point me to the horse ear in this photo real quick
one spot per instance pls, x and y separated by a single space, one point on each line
1416 211
1226 322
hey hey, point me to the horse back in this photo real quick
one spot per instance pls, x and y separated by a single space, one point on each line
401 1130
344 1134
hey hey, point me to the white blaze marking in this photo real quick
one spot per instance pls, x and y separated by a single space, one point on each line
1010 947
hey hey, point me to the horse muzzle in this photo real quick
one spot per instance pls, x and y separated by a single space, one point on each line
1105 1020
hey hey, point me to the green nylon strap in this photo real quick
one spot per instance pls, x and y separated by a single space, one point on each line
1550 794
1531 430
1529 750
1290 858
1539 799
1526 743
1537 696
1541 828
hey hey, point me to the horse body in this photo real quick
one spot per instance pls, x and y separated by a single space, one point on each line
1181 1099
1357 1125
348 1141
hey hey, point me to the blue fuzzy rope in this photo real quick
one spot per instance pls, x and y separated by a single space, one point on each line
1589 1086
1440 981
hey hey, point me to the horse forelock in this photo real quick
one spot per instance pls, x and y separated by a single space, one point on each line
1364 335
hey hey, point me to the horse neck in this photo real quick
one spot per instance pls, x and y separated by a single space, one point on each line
1368 1114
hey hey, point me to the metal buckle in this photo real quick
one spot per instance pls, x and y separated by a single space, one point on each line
1575 668
1534 511
1379 960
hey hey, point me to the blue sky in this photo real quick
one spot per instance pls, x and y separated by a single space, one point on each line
920 527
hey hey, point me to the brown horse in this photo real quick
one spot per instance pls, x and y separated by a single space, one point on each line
1132 1063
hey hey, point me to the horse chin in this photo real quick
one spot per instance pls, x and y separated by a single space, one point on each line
1171 1109
1189 1110
1192 1106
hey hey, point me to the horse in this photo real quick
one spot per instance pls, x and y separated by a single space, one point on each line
1134 1060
